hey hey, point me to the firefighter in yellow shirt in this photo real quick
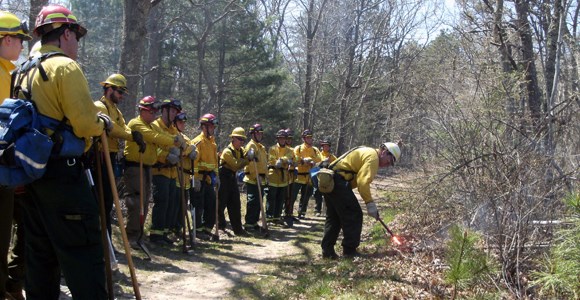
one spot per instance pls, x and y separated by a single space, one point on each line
326 158
148 153
62 218
306 157
186 172
233 159
356 168
250 178
289 217
279 157
114 88
206 177
164 173
12 34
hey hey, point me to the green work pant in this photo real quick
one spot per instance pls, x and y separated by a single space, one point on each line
343 212
131 194
253 204
61 221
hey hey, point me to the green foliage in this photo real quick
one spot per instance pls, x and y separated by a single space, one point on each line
467 263
559 276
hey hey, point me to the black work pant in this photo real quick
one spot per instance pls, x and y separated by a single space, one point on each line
229 197
276 199
204 203
16 262
163 197
6 208
343 213
61 220
305 190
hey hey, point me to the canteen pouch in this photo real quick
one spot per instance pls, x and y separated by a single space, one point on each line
325 179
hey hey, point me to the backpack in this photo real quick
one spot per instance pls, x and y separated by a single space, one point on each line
323 177
25 148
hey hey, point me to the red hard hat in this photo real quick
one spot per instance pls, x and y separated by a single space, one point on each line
208 119
147 103
256 128
54 16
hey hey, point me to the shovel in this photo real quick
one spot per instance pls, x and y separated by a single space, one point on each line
263 215
183 208
141 210
105 144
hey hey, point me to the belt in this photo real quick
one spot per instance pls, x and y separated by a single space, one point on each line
303 173
135 164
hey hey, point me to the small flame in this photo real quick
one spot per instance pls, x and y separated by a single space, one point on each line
396 240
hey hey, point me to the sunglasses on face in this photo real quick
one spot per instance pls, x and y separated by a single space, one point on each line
119 90
240 139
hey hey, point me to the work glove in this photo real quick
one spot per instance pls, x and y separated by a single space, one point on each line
179 141
196 185
290 162
215 180
173 156
308 161
278 163
107 120
372 210
193 154
138 138
251 154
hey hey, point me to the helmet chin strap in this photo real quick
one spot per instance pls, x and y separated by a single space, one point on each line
205 131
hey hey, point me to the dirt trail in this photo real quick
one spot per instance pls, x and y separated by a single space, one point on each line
216 268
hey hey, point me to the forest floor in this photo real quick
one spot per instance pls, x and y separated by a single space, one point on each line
288 264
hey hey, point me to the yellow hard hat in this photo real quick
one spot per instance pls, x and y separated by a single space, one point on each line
238 132
116 80
10 24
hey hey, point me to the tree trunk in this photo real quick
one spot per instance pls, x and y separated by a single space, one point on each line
533 94
35 6
135 17
152 68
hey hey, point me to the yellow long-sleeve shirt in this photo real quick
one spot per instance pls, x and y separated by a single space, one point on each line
363 161
327 155
120 130
162 151
5 67
65 95
302 152
152 138
207 158
262 164
233 159
186 163
278 177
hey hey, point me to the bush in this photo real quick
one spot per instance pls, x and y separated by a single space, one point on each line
560 274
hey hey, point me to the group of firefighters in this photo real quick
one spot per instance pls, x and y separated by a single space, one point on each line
152 159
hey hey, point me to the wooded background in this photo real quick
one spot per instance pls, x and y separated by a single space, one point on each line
484 97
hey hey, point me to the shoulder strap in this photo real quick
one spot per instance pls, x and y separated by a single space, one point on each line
342 156
23 71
